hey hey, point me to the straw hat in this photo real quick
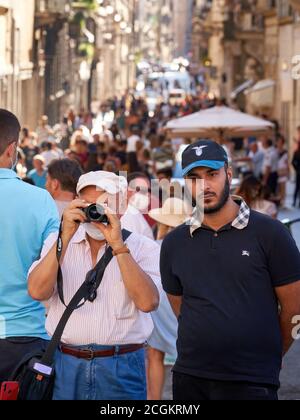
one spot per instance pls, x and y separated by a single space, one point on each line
173 213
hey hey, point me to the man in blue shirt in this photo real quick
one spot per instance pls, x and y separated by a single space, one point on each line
28 215
39 173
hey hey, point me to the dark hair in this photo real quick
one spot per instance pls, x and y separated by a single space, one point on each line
135 175
47 145
133 164
67 172
280 137
247 190
9 129
25 131
168 172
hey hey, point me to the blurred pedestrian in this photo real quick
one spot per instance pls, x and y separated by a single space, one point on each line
270 165
43 130
62 179
254 159
138 196
296 165
39 173
256 197
48 153
164 337
29 149
283 170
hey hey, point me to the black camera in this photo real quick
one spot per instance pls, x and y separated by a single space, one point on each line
95 213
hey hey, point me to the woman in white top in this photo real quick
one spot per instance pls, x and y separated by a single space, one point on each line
252 191
164 337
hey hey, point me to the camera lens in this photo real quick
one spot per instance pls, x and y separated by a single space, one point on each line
96 213
93 213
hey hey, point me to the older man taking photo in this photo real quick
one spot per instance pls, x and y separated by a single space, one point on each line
102 352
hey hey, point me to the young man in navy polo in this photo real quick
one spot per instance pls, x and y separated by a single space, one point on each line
225 274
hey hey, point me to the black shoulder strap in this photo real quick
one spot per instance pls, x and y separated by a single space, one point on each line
89 287
92 273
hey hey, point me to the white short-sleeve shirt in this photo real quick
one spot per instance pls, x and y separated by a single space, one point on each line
113 318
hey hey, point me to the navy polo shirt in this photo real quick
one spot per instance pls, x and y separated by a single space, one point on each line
229 324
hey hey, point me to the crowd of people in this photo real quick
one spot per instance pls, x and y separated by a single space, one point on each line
125 137
151 280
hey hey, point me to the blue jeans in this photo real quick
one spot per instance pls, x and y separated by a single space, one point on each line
121 377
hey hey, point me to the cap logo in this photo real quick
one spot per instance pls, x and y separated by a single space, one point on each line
199 150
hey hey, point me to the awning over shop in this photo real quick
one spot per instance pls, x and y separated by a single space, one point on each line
262 94
241 88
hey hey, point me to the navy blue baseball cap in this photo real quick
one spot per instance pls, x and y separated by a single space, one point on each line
204 153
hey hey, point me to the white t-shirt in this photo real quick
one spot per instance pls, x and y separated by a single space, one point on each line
134 221
131 143
49 156
113 319
271 159
283 167
257 162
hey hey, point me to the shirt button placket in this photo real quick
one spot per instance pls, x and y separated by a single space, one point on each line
214 239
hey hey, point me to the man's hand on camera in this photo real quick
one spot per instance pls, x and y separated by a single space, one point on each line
112 231
73 217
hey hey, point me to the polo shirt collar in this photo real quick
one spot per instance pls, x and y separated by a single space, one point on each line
8 174
240 222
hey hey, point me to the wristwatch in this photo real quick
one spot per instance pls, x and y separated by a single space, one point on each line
120 251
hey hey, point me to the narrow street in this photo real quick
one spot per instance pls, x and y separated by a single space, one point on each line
140 143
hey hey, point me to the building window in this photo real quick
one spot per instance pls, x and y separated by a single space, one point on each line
284 9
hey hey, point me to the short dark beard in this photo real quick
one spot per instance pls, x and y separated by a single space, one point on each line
223 200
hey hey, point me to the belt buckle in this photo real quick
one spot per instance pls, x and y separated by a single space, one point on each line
90 354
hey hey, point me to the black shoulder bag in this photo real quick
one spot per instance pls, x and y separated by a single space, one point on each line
36 374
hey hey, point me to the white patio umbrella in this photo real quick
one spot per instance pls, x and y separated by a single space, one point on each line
216 122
